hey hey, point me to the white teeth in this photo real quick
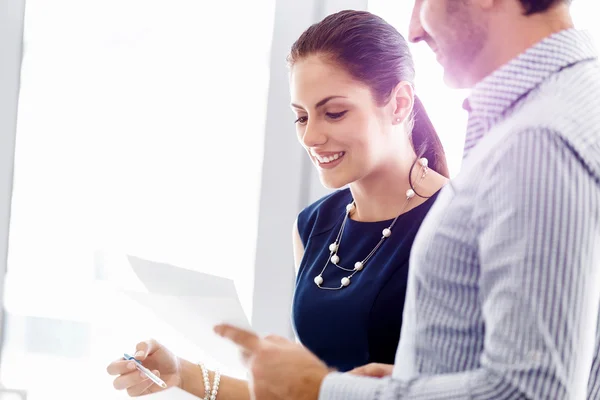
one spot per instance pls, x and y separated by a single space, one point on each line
326 160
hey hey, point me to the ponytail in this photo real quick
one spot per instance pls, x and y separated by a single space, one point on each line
426 141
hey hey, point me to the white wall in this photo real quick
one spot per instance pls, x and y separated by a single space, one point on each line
11 39
289 181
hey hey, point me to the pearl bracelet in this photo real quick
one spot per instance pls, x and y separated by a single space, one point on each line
208 393
215 388
206 381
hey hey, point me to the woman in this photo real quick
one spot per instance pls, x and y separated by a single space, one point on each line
351 82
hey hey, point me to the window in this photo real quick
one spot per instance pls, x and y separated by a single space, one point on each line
584 18
140 131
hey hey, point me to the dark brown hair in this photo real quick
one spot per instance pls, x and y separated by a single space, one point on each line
539 6
375 53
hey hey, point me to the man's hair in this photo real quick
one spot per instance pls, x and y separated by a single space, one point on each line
538 6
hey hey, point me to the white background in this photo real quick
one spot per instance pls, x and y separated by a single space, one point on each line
141 130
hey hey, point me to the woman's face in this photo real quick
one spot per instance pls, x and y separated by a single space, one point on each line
345 133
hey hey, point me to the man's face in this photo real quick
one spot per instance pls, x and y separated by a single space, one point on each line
456 31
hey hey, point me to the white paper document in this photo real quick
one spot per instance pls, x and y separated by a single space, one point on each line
192 303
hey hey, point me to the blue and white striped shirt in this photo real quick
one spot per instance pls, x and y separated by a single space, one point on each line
504 289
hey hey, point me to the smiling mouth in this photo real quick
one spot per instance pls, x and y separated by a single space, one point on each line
324 160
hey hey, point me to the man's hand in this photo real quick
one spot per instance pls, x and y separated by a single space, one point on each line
374 370
280 369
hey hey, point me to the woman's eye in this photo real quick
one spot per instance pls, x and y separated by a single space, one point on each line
337 115
301 120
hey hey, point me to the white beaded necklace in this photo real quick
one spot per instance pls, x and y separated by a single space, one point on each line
386 233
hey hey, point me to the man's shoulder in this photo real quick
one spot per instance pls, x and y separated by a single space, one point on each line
568 102
567 106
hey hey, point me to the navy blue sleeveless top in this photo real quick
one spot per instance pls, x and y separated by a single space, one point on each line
360 323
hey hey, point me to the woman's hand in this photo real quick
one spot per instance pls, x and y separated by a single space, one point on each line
156 358
374 370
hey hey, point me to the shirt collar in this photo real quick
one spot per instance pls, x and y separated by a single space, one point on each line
499 91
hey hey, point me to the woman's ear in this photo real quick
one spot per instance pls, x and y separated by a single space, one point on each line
402 101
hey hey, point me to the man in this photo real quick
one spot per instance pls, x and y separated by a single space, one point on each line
504 291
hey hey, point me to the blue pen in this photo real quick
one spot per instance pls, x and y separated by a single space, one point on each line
146 371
